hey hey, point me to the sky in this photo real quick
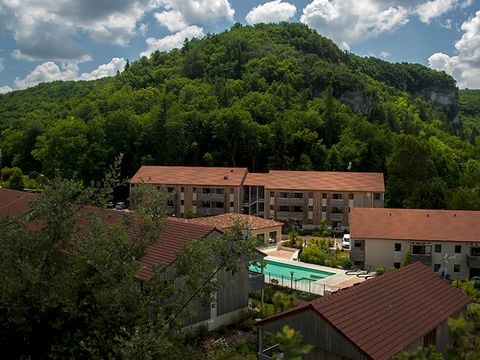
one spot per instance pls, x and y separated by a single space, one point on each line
47 40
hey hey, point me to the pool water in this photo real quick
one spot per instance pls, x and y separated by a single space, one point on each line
282 270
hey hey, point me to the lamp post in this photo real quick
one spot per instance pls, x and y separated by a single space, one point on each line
291 279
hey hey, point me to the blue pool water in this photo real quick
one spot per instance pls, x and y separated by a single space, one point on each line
278 269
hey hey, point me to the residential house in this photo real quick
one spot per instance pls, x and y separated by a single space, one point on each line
447 241
403 310
305 198
202 191
296 198
266 231
229 301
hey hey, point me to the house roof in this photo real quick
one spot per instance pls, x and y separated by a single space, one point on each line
190 175
174 237
226 221
15 203
317 181
414 224
383 315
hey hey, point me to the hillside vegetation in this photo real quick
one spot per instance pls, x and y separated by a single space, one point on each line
265 97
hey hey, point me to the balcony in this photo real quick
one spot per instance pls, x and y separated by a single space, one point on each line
210 211
473 261
357 254
288 215
336 203
290 201
336 217
214 197
424 259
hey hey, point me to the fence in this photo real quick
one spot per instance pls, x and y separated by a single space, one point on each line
313 286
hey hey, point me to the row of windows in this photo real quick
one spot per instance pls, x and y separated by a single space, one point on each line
426 249
456 267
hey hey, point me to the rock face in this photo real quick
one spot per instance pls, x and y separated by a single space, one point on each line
444 99
359 101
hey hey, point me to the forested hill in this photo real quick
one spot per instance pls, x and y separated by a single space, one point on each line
265 97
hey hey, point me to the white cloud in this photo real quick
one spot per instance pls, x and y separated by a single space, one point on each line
2 67
352 21
273 11
49 29
5 89
143 28
385 54
465 66
172 20
201 12
50 71
172 41
433 9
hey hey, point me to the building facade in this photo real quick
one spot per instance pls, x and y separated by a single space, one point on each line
447 241
296 198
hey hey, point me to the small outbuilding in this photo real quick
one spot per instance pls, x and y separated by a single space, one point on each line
403 310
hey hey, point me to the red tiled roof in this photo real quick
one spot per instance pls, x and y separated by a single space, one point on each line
225 221
383 315
14 203
190 175
414 224
175 235
317 180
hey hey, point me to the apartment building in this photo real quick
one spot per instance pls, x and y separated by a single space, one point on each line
447 241
296 198
203 191
305 198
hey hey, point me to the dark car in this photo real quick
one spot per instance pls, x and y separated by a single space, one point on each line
121 205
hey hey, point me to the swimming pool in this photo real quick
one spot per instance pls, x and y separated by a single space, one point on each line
284 271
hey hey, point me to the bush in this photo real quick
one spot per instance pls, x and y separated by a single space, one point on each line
281 301
313 255
379 270
329 263
347 264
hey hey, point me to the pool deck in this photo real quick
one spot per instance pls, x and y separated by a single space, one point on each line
339 280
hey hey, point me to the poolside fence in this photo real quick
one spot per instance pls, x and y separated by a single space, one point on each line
313 286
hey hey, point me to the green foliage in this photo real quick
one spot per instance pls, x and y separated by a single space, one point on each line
271 96
428 353
407 258
290 343
465 333
469 288
347 264
281 301
379 271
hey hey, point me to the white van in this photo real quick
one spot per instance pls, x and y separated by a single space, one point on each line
346 241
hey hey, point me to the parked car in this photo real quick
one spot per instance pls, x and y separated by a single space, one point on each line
110 205
121 205
346 241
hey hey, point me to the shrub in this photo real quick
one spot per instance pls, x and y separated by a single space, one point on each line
390 269
328 263
281 301
347 264
379 270
312 254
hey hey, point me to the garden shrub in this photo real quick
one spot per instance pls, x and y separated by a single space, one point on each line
347 264
379 270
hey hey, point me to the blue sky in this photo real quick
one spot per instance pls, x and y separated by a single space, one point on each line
47 40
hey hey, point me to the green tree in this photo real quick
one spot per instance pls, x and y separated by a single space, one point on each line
290 343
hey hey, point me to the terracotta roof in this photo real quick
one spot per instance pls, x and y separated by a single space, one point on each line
318 180
414 224
225 221
175 235
14 203
190 175
383 315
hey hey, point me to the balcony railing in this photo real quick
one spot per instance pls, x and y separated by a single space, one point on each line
425 259
473 261
218 197
290 201
336 202
288 215
336 217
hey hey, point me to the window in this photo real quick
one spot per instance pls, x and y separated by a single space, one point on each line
310 221
456 268
324 209
310 208
430 339
232 191
283 195
298 209
170 189
377 196
182 215
421 250
336 210
272 207
358 244
396 265
219 191
337 196
398 247
324 195
206 204
284 208
169 202
438 248
436 267
194 189
298 195
182 202
272 236
310 195
231 204
194 202
458 249
261 238
182 189
350 196
272 194
206 190
218 204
